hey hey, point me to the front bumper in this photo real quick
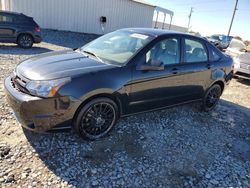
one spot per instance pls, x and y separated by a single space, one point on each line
37 37
39 114
242 72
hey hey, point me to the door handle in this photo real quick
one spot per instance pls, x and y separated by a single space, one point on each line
175 71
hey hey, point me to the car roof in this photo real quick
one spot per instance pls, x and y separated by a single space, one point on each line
159 32
13 13
152 31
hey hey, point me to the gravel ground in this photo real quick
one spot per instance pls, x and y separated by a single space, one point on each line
178 147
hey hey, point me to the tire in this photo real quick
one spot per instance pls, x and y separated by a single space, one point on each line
96 118
25 41
211 98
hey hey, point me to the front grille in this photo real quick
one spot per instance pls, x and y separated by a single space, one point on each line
19 84
245 66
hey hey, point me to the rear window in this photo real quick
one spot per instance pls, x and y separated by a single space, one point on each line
214 55
23 19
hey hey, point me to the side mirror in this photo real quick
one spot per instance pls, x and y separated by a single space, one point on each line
154 65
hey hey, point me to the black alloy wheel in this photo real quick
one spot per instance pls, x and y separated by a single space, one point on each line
96 118
25 41
212 97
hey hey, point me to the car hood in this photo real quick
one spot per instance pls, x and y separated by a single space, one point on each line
245 58
59 64
212 40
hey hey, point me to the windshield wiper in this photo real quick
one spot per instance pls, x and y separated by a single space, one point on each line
93 54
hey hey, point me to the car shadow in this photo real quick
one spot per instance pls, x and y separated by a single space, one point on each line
72 159
243 81
16 50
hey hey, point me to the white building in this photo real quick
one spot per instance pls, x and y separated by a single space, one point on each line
87 16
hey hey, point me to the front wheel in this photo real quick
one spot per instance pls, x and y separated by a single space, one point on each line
211 97
96 118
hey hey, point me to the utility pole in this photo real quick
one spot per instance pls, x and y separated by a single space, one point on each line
189 17
235 8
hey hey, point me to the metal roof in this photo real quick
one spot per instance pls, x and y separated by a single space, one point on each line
159 9
143 2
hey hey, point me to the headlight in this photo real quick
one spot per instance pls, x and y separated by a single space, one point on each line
47 88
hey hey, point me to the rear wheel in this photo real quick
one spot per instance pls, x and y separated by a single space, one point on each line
96 118
25 41
212 97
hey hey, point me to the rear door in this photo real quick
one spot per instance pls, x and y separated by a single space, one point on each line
197 68
7 27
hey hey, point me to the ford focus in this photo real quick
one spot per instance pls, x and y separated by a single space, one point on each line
121 73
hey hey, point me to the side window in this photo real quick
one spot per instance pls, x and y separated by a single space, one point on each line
166 51
214 56
195 51
4 18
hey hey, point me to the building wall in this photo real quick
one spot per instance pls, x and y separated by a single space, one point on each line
84 15
173 27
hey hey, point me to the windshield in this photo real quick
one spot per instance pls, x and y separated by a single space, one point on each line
237 44
216 37
117 47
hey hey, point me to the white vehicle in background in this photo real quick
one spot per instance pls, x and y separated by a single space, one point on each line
238 51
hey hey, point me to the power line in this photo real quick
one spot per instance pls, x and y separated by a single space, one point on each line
197 3
201 11
219 10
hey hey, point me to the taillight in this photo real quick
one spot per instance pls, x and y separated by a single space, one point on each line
37 29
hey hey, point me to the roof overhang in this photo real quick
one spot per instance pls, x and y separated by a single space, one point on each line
165 11
158 9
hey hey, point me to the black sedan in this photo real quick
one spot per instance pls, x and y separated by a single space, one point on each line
122 73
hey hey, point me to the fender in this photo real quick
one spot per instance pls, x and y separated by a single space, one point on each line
106 92
89 86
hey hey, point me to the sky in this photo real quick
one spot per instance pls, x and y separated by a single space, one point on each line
209 16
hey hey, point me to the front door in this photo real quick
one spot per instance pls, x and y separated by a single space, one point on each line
158 88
